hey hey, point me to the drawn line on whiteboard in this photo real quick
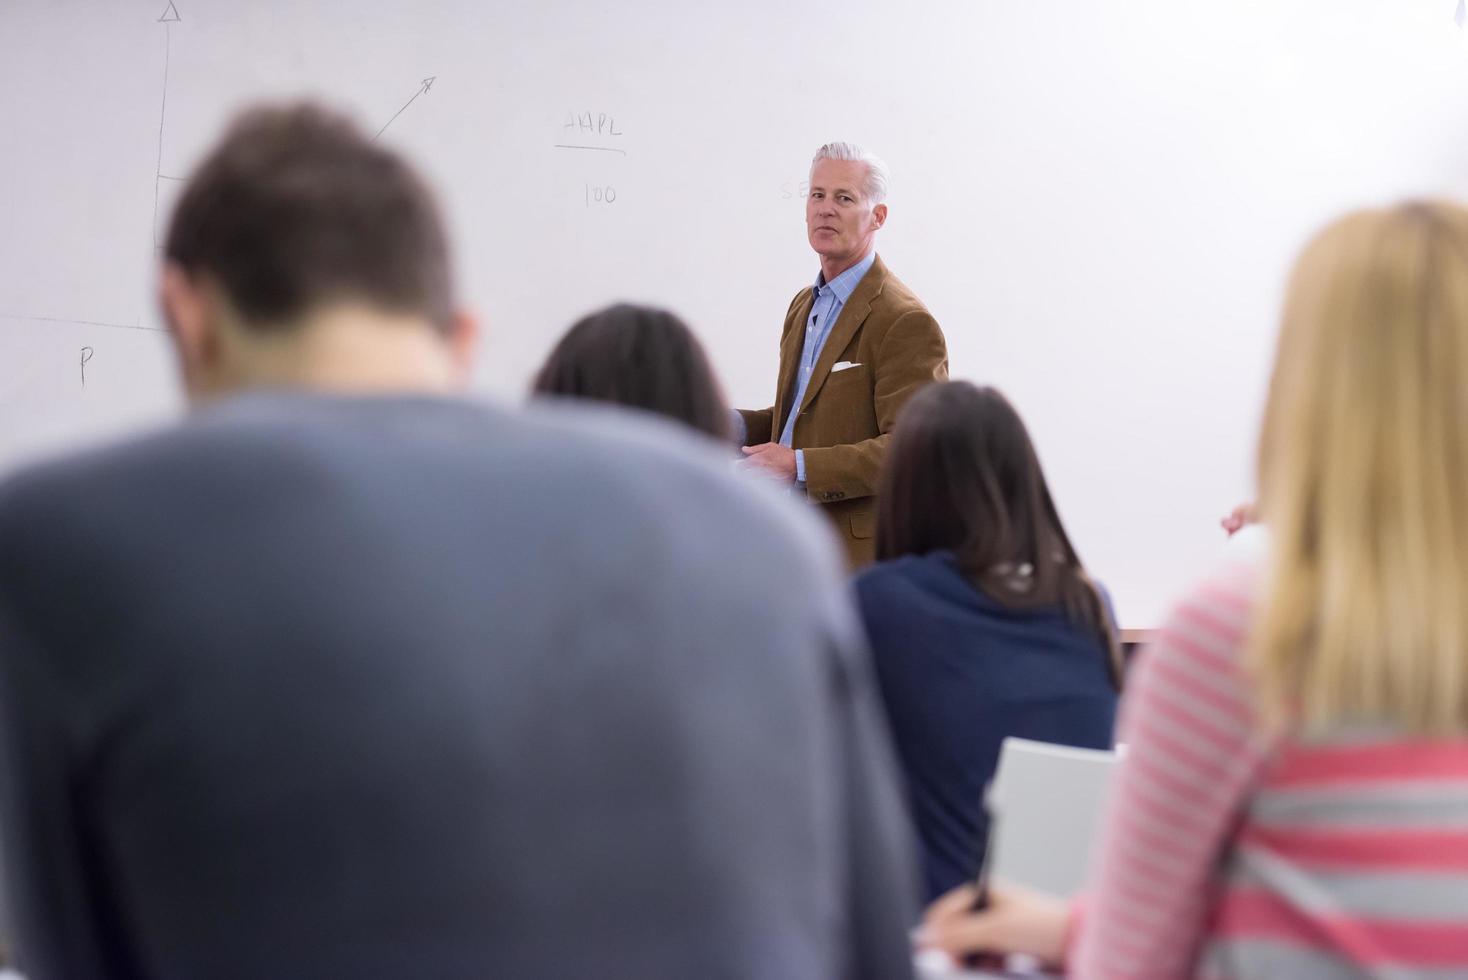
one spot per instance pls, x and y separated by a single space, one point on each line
176 179
604 149
423 86
82 323
169 18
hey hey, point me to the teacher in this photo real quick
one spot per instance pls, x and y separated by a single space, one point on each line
854 348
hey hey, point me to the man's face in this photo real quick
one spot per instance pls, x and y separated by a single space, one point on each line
839 219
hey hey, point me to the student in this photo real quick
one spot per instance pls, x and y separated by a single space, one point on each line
641 357
1294 800
346 676
982 621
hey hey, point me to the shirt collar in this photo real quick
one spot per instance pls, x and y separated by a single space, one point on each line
844 284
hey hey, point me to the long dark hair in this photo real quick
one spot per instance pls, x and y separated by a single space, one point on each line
642 357
961 475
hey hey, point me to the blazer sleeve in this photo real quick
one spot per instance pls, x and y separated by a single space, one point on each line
759 425
911 355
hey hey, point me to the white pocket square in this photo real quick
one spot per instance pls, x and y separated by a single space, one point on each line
843 365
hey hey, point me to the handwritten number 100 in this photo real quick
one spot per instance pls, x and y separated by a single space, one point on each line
600 195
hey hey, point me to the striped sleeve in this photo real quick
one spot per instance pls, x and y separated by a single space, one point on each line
1192 756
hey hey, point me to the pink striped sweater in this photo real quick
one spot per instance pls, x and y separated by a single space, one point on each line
1227 857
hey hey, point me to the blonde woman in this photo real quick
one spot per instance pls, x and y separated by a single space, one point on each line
1295 798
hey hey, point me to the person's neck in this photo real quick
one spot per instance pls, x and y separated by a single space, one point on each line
348 350
831 268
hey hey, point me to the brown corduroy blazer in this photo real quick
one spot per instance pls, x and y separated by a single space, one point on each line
846 417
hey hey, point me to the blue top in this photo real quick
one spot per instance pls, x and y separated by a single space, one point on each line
317 716
958 672
830 299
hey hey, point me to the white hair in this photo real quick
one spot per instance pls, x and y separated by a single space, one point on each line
876 184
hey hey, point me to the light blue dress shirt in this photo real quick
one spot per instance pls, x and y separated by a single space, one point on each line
830 298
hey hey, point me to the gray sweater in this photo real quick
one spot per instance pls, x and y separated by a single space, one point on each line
327 687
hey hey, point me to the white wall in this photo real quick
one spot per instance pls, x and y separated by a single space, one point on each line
1099 201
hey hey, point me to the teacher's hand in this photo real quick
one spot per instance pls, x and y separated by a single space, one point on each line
770 459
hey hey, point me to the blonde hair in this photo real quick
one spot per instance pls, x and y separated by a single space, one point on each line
1363 473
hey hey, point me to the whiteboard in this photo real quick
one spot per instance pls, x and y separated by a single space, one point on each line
1098 200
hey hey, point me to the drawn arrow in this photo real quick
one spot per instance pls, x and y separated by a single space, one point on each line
423 86
170 16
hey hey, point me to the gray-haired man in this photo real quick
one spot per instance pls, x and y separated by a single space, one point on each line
854 348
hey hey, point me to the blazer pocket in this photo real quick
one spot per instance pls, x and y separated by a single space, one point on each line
863 524
851 377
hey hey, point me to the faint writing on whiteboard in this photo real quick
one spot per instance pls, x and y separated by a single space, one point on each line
590 131
599 133
600 123
791 190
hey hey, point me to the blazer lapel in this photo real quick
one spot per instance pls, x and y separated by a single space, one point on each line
790 353
847 323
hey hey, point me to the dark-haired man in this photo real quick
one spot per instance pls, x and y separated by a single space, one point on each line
345 677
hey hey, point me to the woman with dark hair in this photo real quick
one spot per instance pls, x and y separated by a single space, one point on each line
641 357
983 622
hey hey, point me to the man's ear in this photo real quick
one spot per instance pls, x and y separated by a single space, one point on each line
879 215
463 340
188 308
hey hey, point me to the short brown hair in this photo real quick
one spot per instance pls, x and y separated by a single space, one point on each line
296 208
